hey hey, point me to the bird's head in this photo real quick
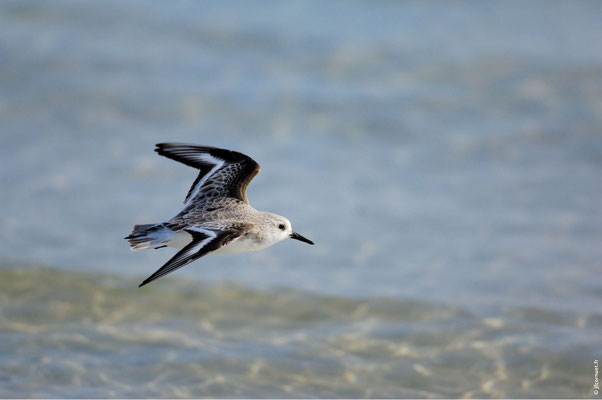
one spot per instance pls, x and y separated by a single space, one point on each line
280 228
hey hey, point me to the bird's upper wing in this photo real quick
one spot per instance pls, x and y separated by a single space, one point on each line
223 173
203 241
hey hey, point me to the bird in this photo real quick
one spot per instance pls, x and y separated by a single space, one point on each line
217 217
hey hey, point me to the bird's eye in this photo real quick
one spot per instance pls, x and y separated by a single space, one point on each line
281 227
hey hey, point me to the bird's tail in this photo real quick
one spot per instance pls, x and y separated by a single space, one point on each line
148 236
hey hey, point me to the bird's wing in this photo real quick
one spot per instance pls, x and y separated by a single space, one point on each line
203 241
223 173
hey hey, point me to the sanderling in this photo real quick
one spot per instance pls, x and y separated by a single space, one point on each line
217 217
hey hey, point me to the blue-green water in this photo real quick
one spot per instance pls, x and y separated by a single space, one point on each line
79 334
445 158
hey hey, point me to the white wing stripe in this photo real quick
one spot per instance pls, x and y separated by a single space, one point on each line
199 245
207 232
184 257
208 159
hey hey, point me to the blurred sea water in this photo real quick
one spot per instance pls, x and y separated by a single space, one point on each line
446 158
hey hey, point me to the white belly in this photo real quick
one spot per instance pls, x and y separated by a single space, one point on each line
179 239
239 245
242 245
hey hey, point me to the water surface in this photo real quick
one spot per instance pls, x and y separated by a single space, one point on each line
445 158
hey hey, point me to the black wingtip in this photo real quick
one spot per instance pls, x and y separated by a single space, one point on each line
147 281
164 145
159 147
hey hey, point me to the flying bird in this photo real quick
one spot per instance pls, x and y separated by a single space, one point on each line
217 217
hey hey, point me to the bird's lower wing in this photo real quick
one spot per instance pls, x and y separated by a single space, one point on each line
203 242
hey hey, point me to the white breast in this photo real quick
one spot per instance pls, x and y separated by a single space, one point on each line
243 244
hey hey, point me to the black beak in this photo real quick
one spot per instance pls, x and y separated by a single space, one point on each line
295 235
